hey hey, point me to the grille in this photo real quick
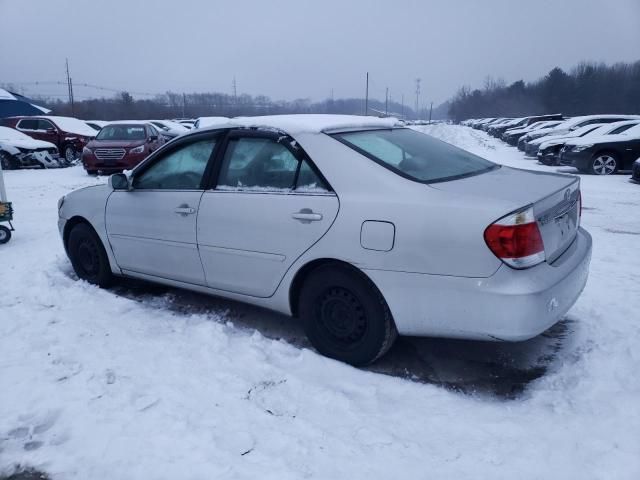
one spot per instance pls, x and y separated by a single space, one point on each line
109 153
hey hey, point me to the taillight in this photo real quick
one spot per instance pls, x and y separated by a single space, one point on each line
516 240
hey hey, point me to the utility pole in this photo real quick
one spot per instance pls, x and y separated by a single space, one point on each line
386 102
418 97
184 104
70 88
402 114
430 111
366 97
235 91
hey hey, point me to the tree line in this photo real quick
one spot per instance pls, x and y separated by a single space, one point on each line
194 105
588 88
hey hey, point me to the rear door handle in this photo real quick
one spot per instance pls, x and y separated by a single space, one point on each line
306 215
185 210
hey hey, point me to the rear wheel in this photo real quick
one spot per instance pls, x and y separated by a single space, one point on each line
88 256
5 234
345 316
604 164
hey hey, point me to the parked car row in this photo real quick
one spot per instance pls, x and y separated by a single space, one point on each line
102 147
596 144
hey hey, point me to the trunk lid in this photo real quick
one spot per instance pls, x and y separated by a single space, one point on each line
554 198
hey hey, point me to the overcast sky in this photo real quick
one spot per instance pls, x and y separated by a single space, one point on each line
290 49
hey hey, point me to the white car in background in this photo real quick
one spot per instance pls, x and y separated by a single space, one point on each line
209 121
18 150
358 227
169 129
96 124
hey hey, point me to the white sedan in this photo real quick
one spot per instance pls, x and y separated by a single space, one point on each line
359 227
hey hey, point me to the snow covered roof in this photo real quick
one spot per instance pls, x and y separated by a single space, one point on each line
7 133
309 123
72 125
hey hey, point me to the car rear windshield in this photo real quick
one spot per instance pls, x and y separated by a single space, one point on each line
415 155
122 132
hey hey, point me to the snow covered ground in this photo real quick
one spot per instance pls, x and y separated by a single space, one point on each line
141 382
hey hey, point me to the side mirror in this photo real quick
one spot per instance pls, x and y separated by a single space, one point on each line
119 181
51 130
153 138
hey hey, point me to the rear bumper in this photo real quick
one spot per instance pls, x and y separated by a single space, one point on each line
511 305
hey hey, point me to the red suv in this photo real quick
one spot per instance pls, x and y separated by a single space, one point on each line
120 146
70 135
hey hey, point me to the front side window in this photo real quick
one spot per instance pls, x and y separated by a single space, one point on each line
45 125
415 155
181 169
264 164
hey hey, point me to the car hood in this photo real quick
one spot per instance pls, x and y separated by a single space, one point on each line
512 186
115 143
31 144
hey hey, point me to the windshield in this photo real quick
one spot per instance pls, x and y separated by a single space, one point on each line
122 132
415 155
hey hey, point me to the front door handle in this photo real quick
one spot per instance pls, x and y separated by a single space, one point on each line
185 210
306 215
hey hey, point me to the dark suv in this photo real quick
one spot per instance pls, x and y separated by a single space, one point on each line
70 135
120 146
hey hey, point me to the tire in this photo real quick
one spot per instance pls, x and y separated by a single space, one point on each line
7 162
604 163
88 256
5 234
345 316
69 154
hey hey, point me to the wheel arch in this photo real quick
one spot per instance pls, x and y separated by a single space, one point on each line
72 222
303 273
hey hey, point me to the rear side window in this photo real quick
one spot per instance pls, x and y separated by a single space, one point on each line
415 155
620 129
29 124
263 164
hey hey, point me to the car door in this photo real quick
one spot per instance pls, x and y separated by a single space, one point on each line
47 131
269 205
152 227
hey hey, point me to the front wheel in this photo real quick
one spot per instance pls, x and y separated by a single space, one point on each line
69 154
7 162
345 316
88 256
5 234
604 164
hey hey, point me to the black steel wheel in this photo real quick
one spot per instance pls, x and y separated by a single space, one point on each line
88 256
345 316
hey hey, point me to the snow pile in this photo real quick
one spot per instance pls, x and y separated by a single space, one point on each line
110 384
